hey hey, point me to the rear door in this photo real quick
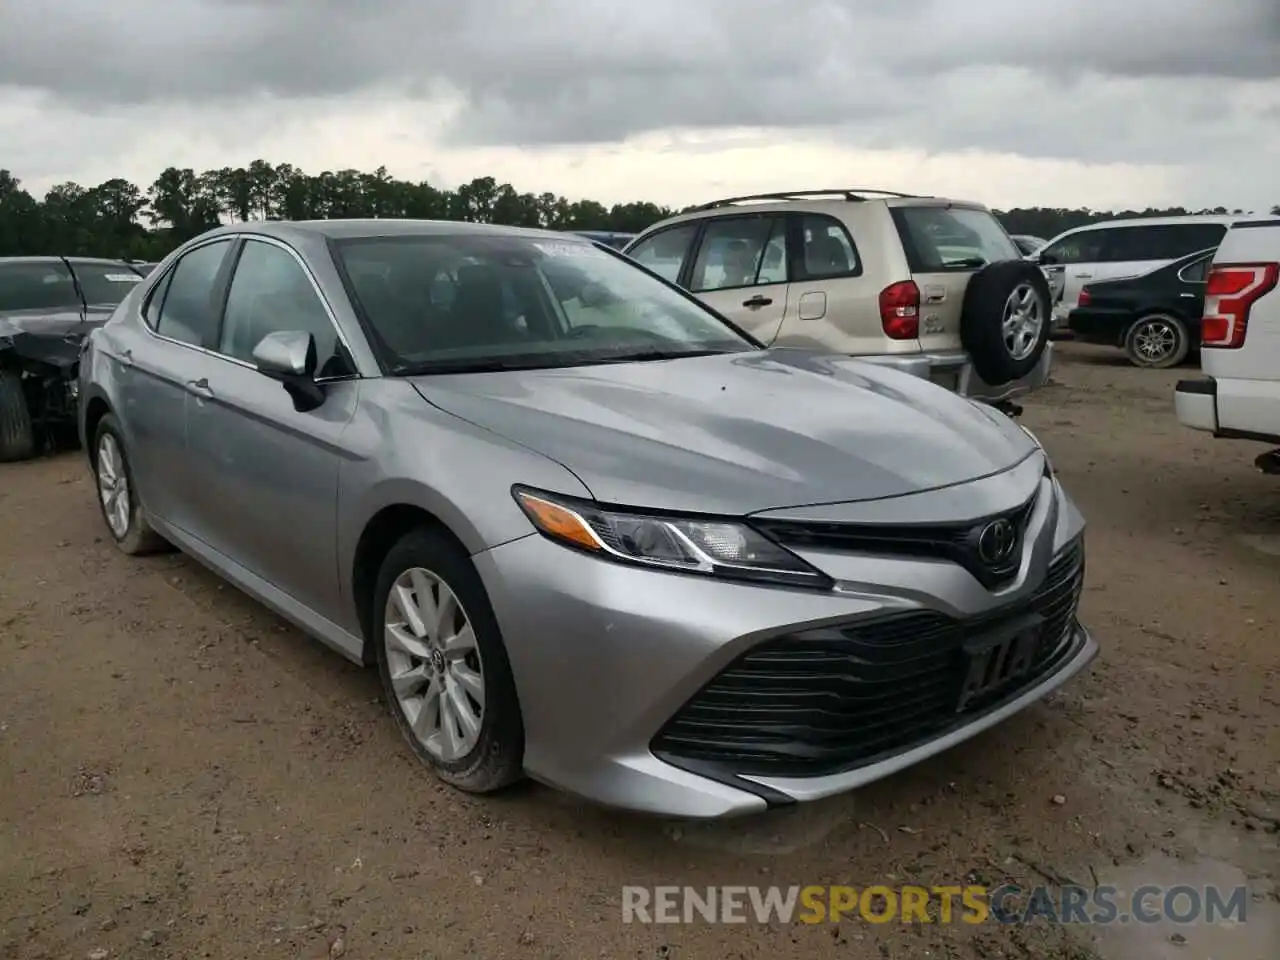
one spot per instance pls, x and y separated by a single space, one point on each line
946 244
740 269
833 298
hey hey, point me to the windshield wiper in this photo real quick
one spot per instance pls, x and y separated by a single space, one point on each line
639 356
965 262
476 365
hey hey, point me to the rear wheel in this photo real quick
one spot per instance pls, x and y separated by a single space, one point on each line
17 434
443 666
1158 340
117 495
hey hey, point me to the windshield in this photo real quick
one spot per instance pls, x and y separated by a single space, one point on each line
952 238
439 304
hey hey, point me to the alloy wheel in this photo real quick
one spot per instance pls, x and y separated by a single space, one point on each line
434 664
113 485
1023 321
1155 340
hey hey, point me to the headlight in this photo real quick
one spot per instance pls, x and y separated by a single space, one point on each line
707 546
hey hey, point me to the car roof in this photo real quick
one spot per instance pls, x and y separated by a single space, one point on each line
106 261
824 201
1226 219
375 228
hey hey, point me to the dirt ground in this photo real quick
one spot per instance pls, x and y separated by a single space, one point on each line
185 776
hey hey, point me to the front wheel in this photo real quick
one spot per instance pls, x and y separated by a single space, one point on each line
443 666
1158 341
17 434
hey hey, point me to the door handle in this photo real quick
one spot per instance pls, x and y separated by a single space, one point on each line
199 388
1084 276
1186 294
757 301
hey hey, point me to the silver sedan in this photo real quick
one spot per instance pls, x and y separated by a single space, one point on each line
584 528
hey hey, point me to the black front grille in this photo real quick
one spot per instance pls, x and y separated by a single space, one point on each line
957 542
833 699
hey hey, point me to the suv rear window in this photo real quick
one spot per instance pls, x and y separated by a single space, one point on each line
941 239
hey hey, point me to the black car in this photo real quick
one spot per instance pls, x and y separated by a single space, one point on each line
47 305
1155 318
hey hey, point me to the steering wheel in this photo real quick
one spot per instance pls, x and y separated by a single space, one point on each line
586 330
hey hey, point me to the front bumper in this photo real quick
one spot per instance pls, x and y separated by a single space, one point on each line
605 656
954 370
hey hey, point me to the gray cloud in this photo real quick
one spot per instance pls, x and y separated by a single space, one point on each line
1104 80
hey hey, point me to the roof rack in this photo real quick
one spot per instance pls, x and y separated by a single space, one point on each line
847 193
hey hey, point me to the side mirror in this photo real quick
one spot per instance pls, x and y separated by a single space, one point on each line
290 357
1046 259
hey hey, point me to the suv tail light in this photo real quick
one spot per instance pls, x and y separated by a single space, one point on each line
1085 297
900 310
1230 293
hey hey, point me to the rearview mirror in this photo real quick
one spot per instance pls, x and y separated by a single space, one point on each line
290 357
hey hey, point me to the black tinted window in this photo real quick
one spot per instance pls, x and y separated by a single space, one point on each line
37 286
1197 272
664 252
105 284
271 293
189 312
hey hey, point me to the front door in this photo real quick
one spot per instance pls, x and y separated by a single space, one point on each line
266 484
740 270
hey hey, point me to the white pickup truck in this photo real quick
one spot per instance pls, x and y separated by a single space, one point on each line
1239 395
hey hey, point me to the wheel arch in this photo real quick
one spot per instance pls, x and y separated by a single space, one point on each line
380 533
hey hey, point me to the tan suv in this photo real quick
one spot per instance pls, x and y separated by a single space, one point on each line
931 286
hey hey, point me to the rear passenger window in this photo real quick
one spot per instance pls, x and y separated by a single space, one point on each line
188 312
664 252
740 252
828 249
1130 243
1197 272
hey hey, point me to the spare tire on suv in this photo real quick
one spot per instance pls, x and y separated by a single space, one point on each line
1005 320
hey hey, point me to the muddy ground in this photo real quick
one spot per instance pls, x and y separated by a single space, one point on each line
185 776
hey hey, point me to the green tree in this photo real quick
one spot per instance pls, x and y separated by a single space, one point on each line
118 218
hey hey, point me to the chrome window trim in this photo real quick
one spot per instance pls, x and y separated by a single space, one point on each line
219 355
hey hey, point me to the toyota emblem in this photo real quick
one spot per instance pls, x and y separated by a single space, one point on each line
997 542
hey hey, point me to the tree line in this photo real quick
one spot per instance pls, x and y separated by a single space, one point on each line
121 219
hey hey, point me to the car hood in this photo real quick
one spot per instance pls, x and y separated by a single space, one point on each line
51 336
740 433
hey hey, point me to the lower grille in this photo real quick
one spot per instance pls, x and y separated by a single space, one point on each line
834 699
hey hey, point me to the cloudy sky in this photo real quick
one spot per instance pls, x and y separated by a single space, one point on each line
1104 103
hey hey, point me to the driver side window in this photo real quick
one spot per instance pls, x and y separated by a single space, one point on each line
271 293
1082 247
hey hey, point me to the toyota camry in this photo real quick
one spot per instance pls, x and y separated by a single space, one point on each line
585 529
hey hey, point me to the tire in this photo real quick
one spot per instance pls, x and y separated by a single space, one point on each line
17 434
134 536
1157 341
493 757
996 294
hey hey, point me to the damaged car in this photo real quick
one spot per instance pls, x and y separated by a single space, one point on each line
47 306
